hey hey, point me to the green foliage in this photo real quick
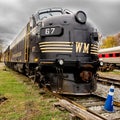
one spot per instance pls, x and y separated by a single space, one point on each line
24 101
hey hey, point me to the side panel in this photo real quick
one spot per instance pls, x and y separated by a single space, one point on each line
34 55
26 44
17 48
7 55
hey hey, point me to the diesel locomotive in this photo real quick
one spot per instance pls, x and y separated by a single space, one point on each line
59 49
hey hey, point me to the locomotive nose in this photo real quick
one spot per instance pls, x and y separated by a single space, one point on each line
86 75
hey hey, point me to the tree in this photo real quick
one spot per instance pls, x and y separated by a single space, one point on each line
108 42
117 37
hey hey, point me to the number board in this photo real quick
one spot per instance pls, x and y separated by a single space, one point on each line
51 31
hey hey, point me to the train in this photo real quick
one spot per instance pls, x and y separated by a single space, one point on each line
109 58
58 48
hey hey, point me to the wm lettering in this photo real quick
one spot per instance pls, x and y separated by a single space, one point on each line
82 47
78 47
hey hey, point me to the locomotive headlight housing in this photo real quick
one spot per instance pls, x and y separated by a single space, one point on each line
101 63
61 62
81 17
94 36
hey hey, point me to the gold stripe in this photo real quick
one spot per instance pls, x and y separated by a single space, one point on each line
93 50
61 45
57 48
46 62
94 45
54 42
56 51
93 53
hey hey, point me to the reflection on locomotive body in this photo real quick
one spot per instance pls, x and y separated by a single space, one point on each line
59 48
109 58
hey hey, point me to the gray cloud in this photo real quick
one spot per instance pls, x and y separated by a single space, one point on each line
14 14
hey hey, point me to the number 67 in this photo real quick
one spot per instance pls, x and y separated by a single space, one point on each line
49 31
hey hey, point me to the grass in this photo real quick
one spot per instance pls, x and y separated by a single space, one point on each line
114 72
24 101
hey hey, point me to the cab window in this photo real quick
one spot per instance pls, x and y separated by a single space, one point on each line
49 14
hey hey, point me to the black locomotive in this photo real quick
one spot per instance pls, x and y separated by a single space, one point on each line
58 48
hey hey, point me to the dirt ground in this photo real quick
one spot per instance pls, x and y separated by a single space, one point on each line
2 65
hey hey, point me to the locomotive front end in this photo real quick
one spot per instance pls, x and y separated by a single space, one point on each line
68 54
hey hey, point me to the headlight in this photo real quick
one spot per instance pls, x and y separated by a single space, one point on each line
101 63
94 36
61 62
81 17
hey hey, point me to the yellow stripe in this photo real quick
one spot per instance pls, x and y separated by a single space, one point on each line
57 48
61 45
94 45
46 62
56 51
54 42
93 50
93 53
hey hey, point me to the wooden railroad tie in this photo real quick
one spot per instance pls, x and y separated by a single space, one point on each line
77 112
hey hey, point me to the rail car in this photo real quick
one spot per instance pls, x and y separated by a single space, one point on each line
109 58
59 48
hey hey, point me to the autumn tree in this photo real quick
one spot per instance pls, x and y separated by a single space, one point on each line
117 37
108 42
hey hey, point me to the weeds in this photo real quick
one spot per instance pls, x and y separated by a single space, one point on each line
24 101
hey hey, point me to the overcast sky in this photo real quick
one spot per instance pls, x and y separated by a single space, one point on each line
14 14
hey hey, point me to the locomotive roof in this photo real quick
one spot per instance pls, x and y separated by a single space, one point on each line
54 9
113 49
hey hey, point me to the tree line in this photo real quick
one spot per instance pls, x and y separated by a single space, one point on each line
111 41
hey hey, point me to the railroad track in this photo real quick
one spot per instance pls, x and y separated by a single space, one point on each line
85 107
89 107
107 80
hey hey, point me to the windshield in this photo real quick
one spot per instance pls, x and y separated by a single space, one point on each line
49 14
